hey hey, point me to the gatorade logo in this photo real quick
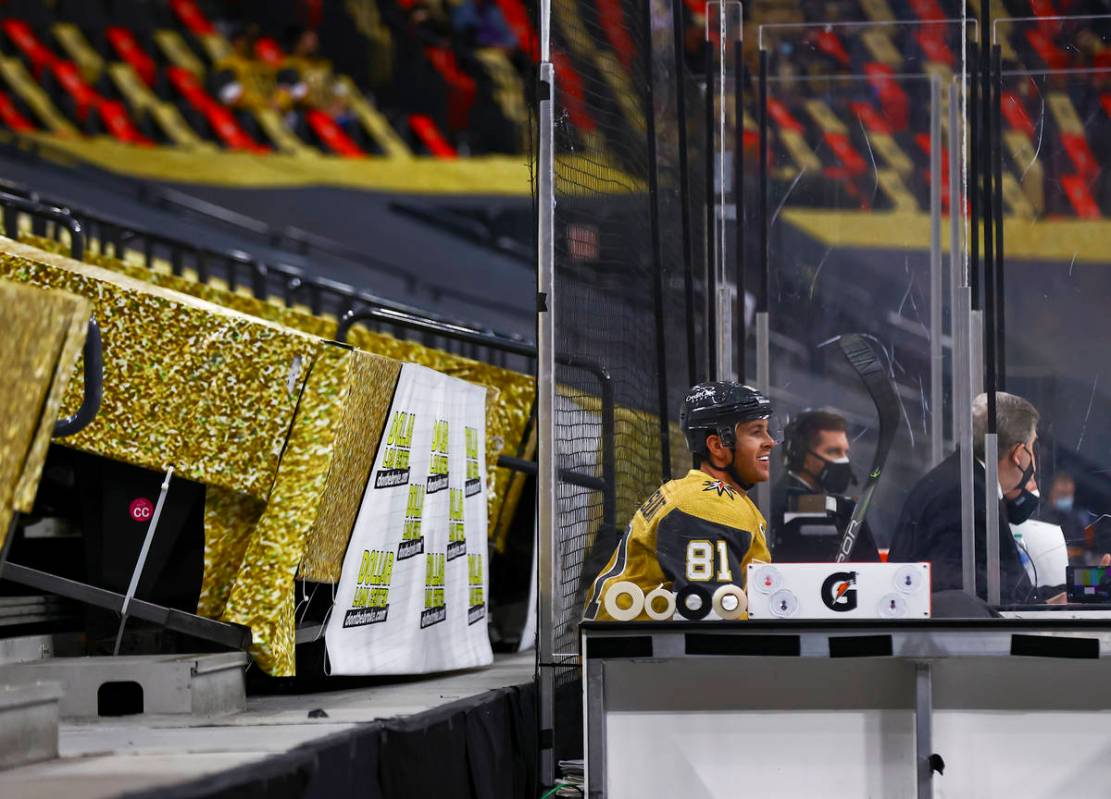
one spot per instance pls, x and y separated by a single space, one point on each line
838 593
140 510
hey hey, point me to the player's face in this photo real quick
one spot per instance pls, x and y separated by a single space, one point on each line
752 455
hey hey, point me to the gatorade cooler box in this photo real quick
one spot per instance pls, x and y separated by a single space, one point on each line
838 590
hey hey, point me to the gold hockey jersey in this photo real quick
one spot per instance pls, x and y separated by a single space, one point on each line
696 529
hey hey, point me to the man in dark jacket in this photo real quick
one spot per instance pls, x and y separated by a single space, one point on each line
929 527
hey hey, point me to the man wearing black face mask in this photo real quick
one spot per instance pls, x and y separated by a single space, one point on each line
810 508
929 527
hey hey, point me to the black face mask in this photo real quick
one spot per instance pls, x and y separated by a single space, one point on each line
835 476
1023 506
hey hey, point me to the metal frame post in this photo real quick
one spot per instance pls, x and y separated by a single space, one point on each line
657 254
594 724
545 394
997 169
923 728
739 205
961 322
684 188
991 511
937 364
712 320
763 328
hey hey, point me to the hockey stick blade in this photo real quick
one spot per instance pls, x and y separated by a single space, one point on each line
864 360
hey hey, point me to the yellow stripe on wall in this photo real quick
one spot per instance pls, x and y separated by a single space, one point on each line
1026 239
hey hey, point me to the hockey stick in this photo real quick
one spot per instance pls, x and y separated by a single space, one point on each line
863 358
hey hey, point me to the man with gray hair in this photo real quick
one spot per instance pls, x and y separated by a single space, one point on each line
929 527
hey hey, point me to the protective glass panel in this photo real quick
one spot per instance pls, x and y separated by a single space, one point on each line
859 233
1053 144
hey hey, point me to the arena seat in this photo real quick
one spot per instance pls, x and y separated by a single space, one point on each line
1074 139
461 86
177 52
123 42
791 132
77 48
1014 112
143 101
37 54
112 113
331 134
268 51
21 82
836 136
11 117
893 98
1048 52
612 19
1080 195
220 119
517 18
429 135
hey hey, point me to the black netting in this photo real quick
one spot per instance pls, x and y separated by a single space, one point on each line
621 329
623 336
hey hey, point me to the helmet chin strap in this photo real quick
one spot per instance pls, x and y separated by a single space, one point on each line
732 471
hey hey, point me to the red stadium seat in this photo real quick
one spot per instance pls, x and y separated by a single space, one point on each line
461 86
123 42
11 117
38 54
219 118
1076 145
896 104
871 118
829 43
1015 114
192 17
268 51
923 142
928 9
933 45
83 96
1043 9
782 117
1076 187
571 92
517 18
111 113
613 23
332 135
426 130
1053 56
119 124
849 156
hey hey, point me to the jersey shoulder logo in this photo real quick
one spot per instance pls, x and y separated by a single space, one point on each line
653 504
722 487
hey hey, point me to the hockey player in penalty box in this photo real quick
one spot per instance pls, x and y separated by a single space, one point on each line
698 533
810 505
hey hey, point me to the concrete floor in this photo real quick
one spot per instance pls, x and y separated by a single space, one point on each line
112 756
